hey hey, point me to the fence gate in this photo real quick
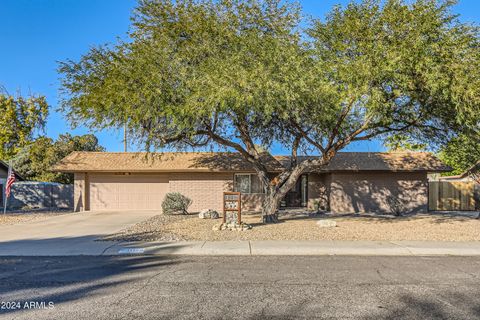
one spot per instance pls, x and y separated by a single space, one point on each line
446 196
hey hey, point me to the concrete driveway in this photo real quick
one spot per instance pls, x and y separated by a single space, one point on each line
69 234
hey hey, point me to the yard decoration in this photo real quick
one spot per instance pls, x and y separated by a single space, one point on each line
232 213
247 75
232 207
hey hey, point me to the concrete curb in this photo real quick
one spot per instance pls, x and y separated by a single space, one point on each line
89 247
260 248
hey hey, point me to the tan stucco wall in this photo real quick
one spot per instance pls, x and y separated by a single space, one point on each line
78 189
318 187
339 192
376 192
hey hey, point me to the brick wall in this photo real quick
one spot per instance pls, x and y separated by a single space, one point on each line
205 189
252 202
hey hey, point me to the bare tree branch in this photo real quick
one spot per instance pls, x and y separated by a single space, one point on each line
340 120
305 135
295 145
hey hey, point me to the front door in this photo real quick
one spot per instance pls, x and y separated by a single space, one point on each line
297 197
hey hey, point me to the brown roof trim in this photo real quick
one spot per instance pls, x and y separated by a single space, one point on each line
156 171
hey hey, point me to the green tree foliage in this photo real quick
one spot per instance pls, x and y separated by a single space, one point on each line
460 153
35 161
20 118
402 143
242 74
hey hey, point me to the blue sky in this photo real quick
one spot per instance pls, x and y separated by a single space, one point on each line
35 34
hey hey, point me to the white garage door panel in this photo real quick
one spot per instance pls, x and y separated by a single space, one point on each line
117 192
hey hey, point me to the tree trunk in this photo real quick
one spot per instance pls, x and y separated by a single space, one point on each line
274 195
269 208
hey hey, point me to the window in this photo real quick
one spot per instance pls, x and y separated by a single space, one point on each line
242 183
247 183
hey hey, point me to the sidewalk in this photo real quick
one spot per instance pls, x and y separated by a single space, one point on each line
366 248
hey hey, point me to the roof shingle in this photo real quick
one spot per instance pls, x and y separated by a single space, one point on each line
380 161
234 162
158 162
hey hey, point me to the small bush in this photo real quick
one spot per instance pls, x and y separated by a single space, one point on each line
175 202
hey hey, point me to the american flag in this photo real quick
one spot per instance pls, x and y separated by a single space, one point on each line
10 181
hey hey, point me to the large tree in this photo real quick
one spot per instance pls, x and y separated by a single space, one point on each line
20 118
34 162
244 75
460 153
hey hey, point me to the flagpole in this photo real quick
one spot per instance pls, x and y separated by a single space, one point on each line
5 188
5 204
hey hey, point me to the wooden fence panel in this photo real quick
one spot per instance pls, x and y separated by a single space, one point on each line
433 195
455 196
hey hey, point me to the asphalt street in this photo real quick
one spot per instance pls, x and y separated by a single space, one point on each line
248 287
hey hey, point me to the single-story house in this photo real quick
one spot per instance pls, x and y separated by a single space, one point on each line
3 179
352 182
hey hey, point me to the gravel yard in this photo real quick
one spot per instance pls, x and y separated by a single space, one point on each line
153 229
26 216
440 227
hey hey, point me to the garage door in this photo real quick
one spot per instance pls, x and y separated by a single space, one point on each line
133 192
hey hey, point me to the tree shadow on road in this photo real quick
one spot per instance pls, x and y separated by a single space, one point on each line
444 307
405 306
61 279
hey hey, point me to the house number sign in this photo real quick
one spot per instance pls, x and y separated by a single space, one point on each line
232 208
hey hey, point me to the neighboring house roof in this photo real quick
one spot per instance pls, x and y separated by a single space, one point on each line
474 168
465 175
234 162
4 166
459 177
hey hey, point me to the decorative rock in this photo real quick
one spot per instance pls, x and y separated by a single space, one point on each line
232 227
203 214
208 214
324 223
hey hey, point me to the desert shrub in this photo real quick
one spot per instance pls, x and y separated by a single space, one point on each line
175 202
